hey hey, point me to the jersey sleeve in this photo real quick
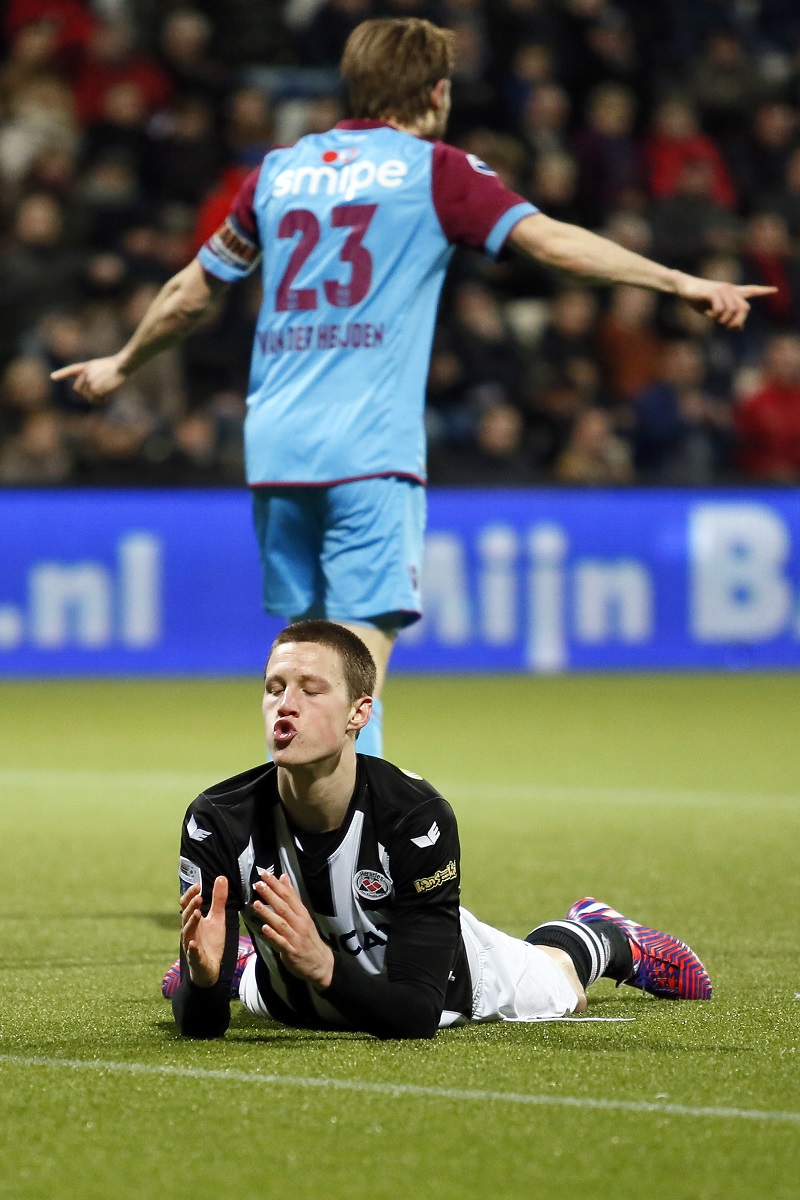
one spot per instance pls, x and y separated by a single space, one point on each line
473 205
234 250
408 1000
204 1012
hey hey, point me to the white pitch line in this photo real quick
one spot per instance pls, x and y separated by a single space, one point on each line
193 781
403 1089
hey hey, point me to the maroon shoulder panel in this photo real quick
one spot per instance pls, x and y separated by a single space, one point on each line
469 198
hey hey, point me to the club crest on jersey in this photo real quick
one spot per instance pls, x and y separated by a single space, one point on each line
479 165
371 885
340 158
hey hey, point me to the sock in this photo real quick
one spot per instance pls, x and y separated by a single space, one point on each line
370 740
588 949
620 955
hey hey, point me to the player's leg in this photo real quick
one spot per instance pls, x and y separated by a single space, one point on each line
380 643
289 531
653 961
371 561
513 980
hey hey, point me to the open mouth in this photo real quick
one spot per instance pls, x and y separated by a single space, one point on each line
283 732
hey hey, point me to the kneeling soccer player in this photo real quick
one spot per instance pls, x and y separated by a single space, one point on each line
345 871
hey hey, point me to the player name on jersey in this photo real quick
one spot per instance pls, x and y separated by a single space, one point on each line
356 335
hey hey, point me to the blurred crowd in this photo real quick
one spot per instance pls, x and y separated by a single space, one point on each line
126 127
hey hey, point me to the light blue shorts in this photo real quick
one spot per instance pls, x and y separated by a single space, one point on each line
349 552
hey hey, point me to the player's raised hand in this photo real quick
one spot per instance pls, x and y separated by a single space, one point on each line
725 303
95 379
203 938
288 925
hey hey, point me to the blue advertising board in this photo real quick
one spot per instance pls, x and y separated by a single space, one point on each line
167 582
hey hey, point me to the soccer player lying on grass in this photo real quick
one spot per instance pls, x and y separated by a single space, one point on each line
345 871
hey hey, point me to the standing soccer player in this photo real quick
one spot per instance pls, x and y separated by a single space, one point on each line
354 230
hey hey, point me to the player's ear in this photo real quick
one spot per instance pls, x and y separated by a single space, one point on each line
359 714
440 94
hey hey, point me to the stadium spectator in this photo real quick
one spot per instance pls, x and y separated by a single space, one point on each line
682 432
531 65
565 351
629 347
25 390
759 156
598 46
675 141
40 271
767 255
689 223
768 420
112 60
725 84
31 57
119 130
610 162
36 455
785 199
495 456
483 340
554 186
384 946
73 21
185 46
594 454
545 120
40 117
249 131
183 155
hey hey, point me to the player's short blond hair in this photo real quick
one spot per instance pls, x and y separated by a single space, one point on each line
391 65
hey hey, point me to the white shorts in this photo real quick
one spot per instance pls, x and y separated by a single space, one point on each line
511 980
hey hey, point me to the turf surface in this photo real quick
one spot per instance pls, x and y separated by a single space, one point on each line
677 799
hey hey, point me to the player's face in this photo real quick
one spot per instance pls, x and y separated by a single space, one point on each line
307 708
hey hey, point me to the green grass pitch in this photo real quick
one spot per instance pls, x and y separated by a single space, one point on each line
675 798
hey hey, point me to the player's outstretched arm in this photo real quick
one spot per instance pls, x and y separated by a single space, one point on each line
177 308
577 251
203 938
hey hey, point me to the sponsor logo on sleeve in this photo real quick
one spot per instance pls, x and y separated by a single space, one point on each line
188 873
479 165
195 832
372 885
428 839
431 882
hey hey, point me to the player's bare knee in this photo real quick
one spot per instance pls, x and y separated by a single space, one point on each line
567 967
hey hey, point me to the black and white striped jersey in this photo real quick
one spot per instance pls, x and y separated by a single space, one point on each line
383 890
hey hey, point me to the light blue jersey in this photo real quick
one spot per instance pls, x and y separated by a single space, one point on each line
355 228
